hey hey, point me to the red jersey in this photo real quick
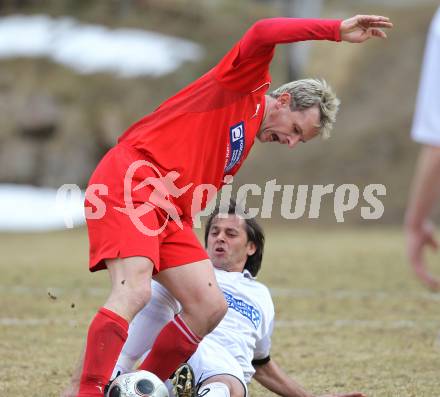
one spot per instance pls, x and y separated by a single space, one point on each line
206 130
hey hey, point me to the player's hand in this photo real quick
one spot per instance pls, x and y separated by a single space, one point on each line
354 394
416 241
359 28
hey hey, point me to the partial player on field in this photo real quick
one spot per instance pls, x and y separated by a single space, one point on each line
425 189
238 349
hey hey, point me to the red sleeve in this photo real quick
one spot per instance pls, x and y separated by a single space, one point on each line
246 66
266 33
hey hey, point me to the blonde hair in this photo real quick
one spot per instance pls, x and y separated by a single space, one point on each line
306 93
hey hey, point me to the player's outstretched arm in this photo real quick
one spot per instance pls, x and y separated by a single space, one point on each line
265 34
262 37
273 378
360 28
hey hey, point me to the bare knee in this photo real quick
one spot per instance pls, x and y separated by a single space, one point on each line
128 300
135 296
202 300
215 313
204 316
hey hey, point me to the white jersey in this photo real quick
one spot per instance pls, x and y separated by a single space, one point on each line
244 333
426 123
246 330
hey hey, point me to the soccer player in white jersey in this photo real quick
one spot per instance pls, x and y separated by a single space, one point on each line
425 189
239 347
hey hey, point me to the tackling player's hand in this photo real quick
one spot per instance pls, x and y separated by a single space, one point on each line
359 28
416 240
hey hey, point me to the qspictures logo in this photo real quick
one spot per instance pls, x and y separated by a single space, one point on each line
155 191
162 189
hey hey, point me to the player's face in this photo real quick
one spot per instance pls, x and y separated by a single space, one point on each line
288 127
228 245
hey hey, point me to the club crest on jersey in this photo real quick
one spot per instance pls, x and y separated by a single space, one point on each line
245 309
236 145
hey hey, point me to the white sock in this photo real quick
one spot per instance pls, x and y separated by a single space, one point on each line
169 386
124 364
214 389
148 323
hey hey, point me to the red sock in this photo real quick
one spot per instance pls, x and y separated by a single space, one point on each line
175 344
107 334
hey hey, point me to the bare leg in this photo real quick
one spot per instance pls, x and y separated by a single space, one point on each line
195 287
131 285
131 278
145 327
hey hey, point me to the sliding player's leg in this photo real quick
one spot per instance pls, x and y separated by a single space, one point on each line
146 326
203 306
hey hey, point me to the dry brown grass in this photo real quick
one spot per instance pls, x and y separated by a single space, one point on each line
350 316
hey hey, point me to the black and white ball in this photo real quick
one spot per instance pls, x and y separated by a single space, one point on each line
137 384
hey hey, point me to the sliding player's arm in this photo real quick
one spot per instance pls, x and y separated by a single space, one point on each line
273 378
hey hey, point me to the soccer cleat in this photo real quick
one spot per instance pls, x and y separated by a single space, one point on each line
183 382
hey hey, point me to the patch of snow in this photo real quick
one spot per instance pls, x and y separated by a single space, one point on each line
93 48
29 208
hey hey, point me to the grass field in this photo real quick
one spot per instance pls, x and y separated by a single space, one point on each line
350 315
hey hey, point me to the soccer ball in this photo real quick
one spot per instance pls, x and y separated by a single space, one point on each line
137 384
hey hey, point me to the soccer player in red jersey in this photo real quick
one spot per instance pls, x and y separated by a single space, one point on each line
144 192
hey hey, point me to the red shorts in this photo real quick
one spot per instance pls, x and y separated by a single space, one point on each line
114 233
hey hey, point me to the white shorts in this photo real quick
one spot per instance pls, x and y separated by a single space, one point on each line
212 359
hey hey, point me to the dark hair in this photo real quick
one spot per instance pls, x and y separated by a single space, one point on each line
254 233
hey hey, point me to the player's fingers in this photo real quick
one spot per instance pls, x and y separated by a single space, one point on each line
420 269
374 18
431 282
381 24
368 19
432 242
367 22
378 33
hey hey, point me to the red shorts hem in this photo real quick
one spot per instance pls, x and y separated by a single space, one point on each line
98 263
